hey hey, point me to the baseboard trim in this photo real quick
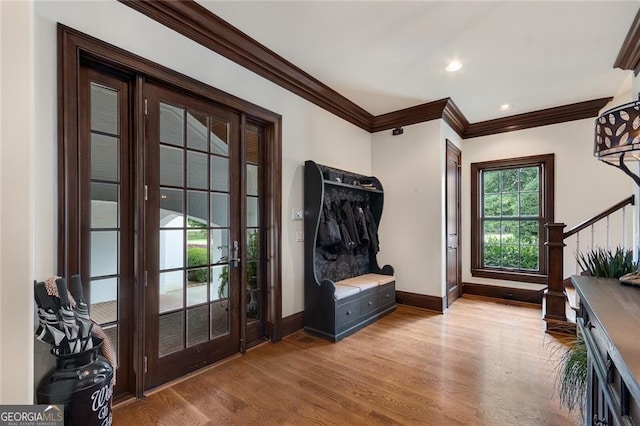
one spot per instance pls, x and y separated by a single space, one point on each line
504 293
432 303
292 323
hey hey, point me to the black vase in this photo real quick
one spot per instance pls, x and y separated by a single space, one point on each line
82 382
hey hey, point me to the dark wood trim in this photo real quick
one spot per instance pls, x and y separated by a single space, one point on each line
204 27
579 227
498 274
455 118
443 108
506 293
292 323
200 25
543 117
629 54
274 227
547 210
412 115
139 225
120 59
425 301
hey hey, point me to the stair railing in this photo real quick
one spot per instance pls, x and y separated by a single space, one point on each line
555 295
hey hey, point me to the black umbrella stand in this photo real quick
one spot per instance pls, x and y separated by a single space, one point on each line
82 378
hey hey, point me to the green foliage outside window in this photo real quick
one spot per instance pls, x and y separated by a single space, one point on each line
197 256
511 209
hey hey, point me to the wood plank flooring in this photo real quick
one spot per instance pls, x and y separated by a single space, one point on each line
481 363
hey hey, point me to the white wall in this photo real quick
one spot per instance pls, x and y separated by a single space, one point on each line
308 132
16 202
410 167
583 185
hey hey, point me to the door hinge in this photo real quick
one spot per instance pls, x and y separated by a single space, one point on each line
146 364
146 192
146 275
145 107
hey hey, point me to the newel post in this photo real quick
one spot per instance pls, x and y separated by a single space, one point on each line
555 297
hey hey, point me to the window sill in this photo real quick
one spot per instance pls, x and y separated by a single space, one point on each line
510 276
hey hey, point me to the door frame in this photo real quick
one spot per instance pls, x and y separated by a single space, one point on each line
453 149
75 47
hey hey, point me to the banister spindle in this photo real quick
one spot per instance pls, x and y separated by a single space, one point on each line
624 227
608 235
592 229
577 252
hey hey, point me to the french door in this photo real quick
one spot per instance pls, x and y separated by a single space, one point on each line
169 209
193 234
185 201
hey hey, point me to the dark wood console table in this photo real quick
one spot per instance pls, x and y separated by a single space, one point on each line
610 323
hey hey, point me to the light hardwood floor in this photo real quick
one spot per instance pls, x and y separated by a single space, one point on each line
481 363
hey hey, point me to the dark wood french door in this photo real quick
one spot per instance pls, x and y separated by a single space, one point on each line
202 210
202 230
169 208
454 159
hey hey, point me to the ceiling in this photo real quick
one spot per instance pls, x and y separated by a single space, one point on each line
386 56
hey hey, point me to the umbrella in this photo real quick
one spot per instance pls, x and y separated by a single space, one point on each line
42 333
50 317
82 314
68 316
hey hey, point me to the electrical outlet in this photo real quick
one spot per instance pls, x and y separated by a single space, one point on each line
299 236
297 214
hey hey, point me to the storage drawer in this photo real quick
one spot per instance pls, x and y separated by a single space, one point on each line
368 301
347 314
387 295
596 335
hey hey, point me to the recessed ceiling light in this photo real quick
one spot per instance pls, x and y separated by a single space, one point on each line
505 107
454 66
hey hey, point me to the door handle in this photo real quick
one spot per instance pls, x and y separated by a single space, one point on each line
235 259
450 247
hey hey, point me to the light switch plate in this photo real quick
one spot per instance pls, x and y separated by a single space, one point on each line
297 214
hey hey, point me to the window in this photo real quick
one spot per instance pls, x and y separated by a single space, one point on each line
511 200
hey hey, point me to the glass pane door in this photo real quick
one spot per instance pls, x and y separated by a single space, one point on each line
192 235
107 237
255 297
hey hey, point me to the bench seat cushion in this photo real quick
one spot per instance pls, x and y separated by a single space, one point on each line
343 291
360 281
381 279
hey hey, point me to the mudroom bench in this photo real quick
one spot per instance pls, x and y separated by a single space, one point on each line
345 289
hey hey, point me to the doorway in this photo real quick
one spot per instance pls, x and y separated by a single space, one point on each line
453 181
170 205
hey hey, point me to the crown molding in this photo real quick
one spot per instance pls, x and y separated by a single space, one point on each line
412 115
200 25
443 108
629 54
455 118
543 117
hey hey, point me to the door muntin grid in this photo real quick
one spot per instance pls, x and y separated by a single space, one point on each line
194 228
